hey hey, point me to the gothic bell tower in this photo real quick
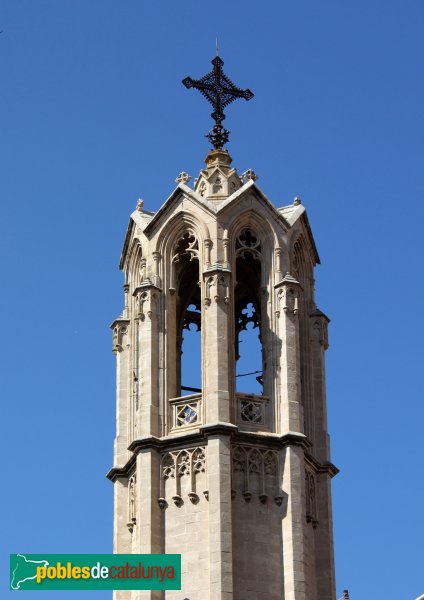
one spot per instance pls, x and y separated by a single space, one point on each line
237 483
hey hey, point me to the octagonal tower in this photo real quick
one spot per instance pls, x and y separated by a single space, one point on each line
238 483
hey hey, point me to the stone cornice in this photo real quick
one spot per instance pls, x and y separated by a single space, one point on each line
218 428
200 436
318 313
147 284
326 467
120 321
116 472
128 235
274 440
170 203
216 268
288 280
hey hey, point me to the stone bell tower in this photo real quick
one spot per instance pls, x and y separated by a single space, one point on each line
237 483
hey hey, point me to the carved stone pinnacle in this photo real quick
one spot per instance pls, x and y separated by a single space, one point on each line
249 175
183 177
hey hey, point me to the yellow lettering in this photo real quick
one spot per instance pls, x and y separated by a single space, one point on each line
51 572
41 573
76 572
85 572
61 571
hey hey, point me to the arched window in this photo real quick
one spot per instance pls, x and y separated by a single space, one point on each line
188 315
191 350
248 342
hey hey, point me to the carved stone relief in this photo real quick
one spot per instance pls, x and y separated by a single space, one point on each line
255 473
188 463
248 242
132 491
145 302
217 287
311 501
319 332
120 329
186 246
288 296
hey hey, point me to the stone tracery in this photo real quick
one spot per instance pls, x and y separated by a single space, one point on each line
132 502
177 464
255 471
248 301
184 283
310 498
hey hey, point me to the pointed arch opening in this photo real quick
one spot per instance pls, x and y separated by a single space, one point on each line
188 318
248 339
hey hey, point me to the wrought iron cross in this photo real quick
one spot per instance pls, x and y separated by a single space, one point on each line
220 91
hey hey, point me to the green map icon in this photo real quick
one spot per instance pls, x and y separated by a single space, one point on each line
23 570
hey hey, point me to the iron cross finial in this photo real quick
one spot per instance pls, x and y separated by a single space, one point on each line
220 91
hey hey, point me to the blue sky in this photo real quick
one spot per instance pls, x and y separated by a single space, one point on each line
93 116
